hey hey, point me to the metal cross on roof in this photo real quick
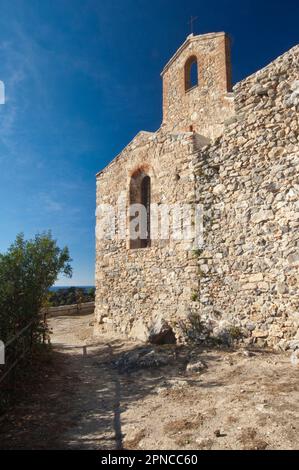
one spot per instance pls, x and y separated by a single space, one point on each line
191 23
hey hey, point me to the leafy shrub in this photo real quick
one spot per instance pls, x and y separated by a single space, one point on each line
27 270
194 330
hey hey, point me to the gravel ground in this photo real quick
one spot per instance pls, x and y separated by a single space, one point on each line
86 398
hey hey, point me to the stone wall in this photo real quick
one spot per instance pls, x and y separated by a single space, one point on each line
245 279
76 309
134 286
207 105
248 183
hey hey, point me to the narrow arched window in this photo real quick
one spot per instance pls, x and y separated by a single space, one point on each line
191 73
146 202
140 215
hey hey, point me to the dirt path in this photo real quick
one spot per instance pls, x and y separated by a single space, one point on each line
84 402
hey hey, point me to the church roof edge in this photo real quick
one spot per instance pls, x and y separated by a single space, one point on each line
120 153
188 40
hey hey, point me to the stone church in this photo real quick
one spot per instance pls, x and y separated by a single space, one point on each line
235 152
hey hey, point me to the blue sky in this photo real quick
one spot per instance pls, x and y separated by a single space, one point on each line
82 77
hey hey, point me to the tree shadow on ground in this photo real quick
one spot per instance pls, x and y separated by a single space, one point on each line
119 388
77 401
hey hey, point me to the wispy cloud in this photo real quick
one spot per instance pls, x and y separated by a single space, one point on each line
16 60
49 204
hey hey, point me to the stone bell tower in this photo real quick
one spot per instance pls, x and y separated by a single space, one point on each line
197 86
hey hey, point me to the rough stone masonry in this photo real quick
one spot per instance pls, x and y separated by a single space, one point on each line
236 152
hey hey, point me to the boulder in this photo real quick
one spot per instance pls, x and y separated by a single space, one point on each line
139 331
195 367
160 332
145 357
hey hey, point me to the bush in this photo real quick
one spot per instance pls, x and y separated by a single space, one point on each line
27 271
194 330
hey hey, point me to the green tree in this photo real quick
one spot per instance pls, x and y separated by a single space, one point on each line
27 270
91 294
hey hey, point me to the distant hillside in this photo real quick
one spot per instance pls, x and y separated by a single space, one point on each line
59 295
56 288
